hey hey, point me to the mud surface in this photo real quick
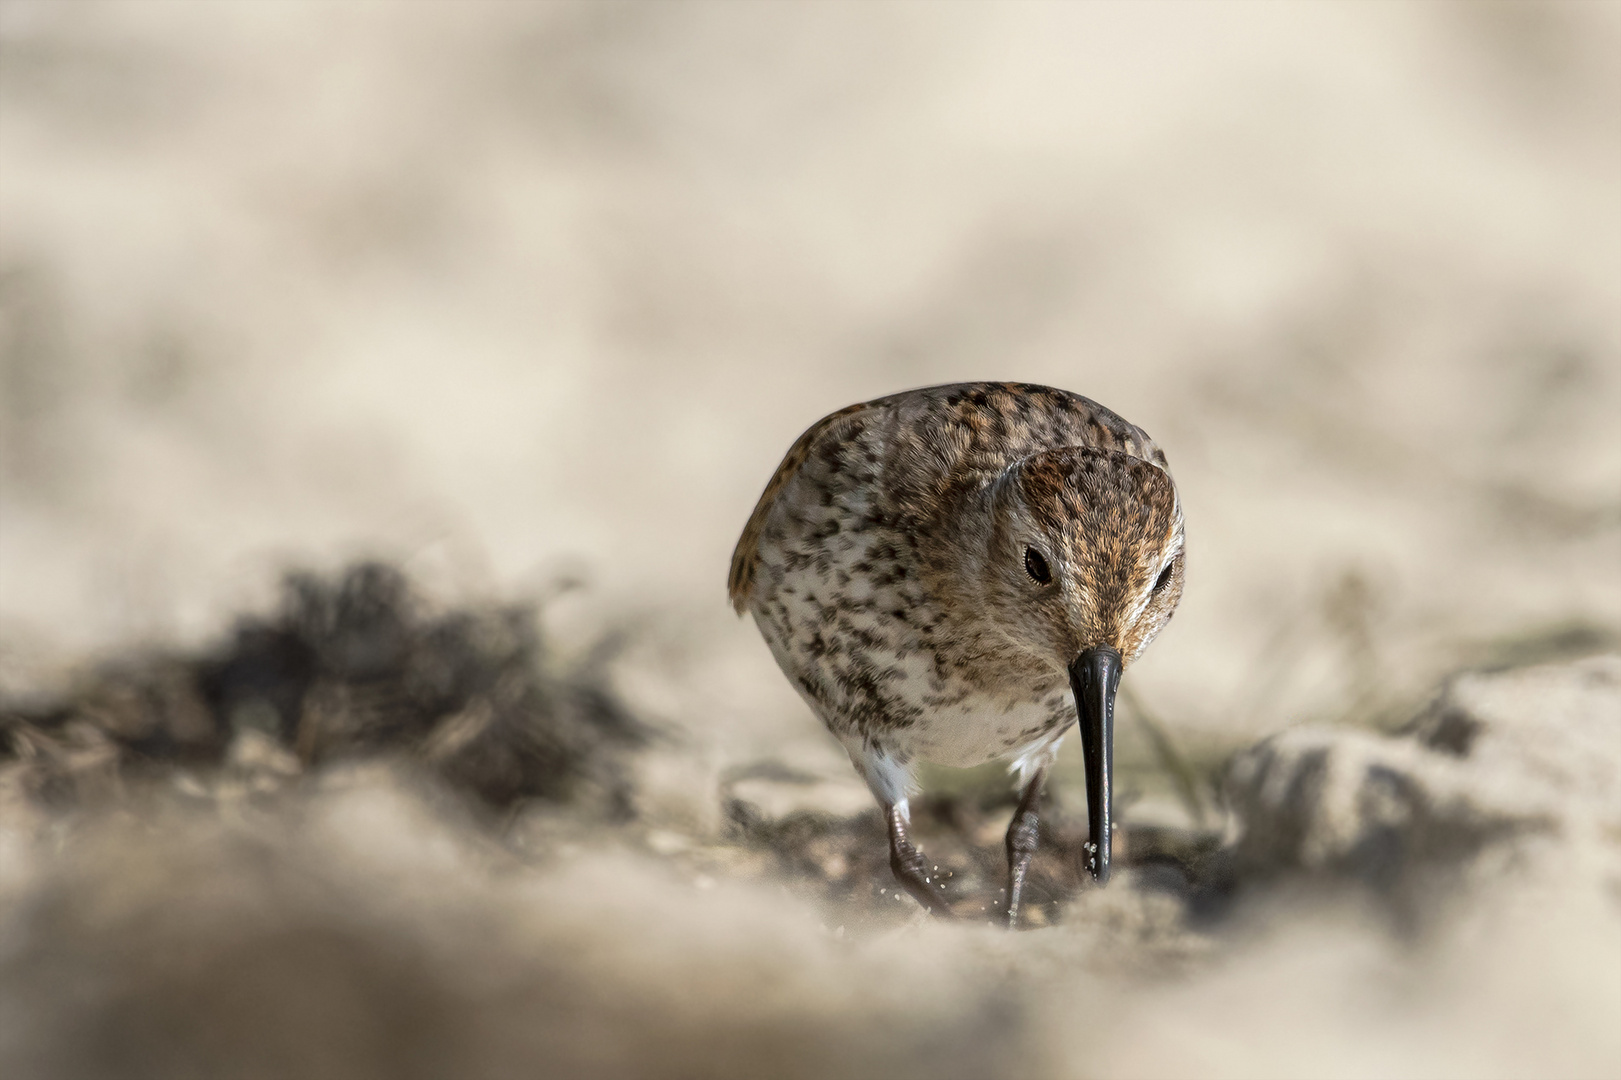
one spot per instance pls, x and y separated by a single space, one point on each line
294 854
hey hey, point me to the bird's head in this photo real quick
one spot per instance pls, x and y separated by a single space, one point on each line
1084 568
1086 552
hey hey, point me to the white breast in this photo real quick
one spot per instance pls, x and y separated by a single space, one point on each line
975 729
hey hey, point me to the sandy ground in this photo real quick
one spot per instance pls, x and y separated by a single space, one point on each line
528 299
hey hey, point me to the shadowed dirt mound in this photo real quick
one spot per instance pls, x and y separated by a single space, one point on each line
349 667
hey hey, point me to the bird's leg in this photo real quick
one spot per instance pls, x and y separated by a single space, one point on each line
910 868
1022 834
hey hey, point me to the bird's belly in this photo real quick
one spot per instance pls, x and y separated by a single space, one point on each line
982 728
874 684
851 625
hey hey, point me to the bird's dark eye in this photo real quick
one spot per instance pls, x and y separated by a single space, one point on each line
1164 576
1035 564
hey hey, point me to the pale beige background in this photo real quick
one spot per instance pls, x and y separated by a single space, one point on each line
508 292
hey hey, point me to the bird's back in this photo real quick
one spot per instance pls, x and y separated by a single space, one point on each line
898 463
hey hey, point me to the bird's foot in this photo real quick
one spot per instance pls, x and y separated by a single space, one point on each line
1023 837
912 870
1021 848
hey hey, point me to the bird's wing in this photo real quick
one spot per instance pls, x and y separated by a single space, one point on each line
746 556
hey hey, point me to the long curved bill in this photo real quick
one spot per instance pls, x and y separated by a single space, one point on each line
1093 679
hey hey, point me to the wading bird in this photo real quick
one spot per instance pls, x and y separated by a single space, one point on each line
954 575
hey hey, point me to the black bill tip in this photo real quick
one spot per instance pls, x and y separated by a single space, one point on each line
1093 679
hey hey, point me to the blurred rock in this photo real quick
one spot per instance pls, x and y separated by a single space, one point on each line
1523 763
1554 729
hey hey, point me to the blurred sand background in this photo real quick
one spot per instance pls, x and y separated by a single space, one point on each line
511 294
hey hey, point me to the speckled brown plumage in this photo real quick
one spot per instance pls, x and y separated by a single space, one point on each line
889 566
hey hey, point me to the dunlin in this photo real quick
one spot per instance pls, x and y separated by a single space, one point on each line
953 575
